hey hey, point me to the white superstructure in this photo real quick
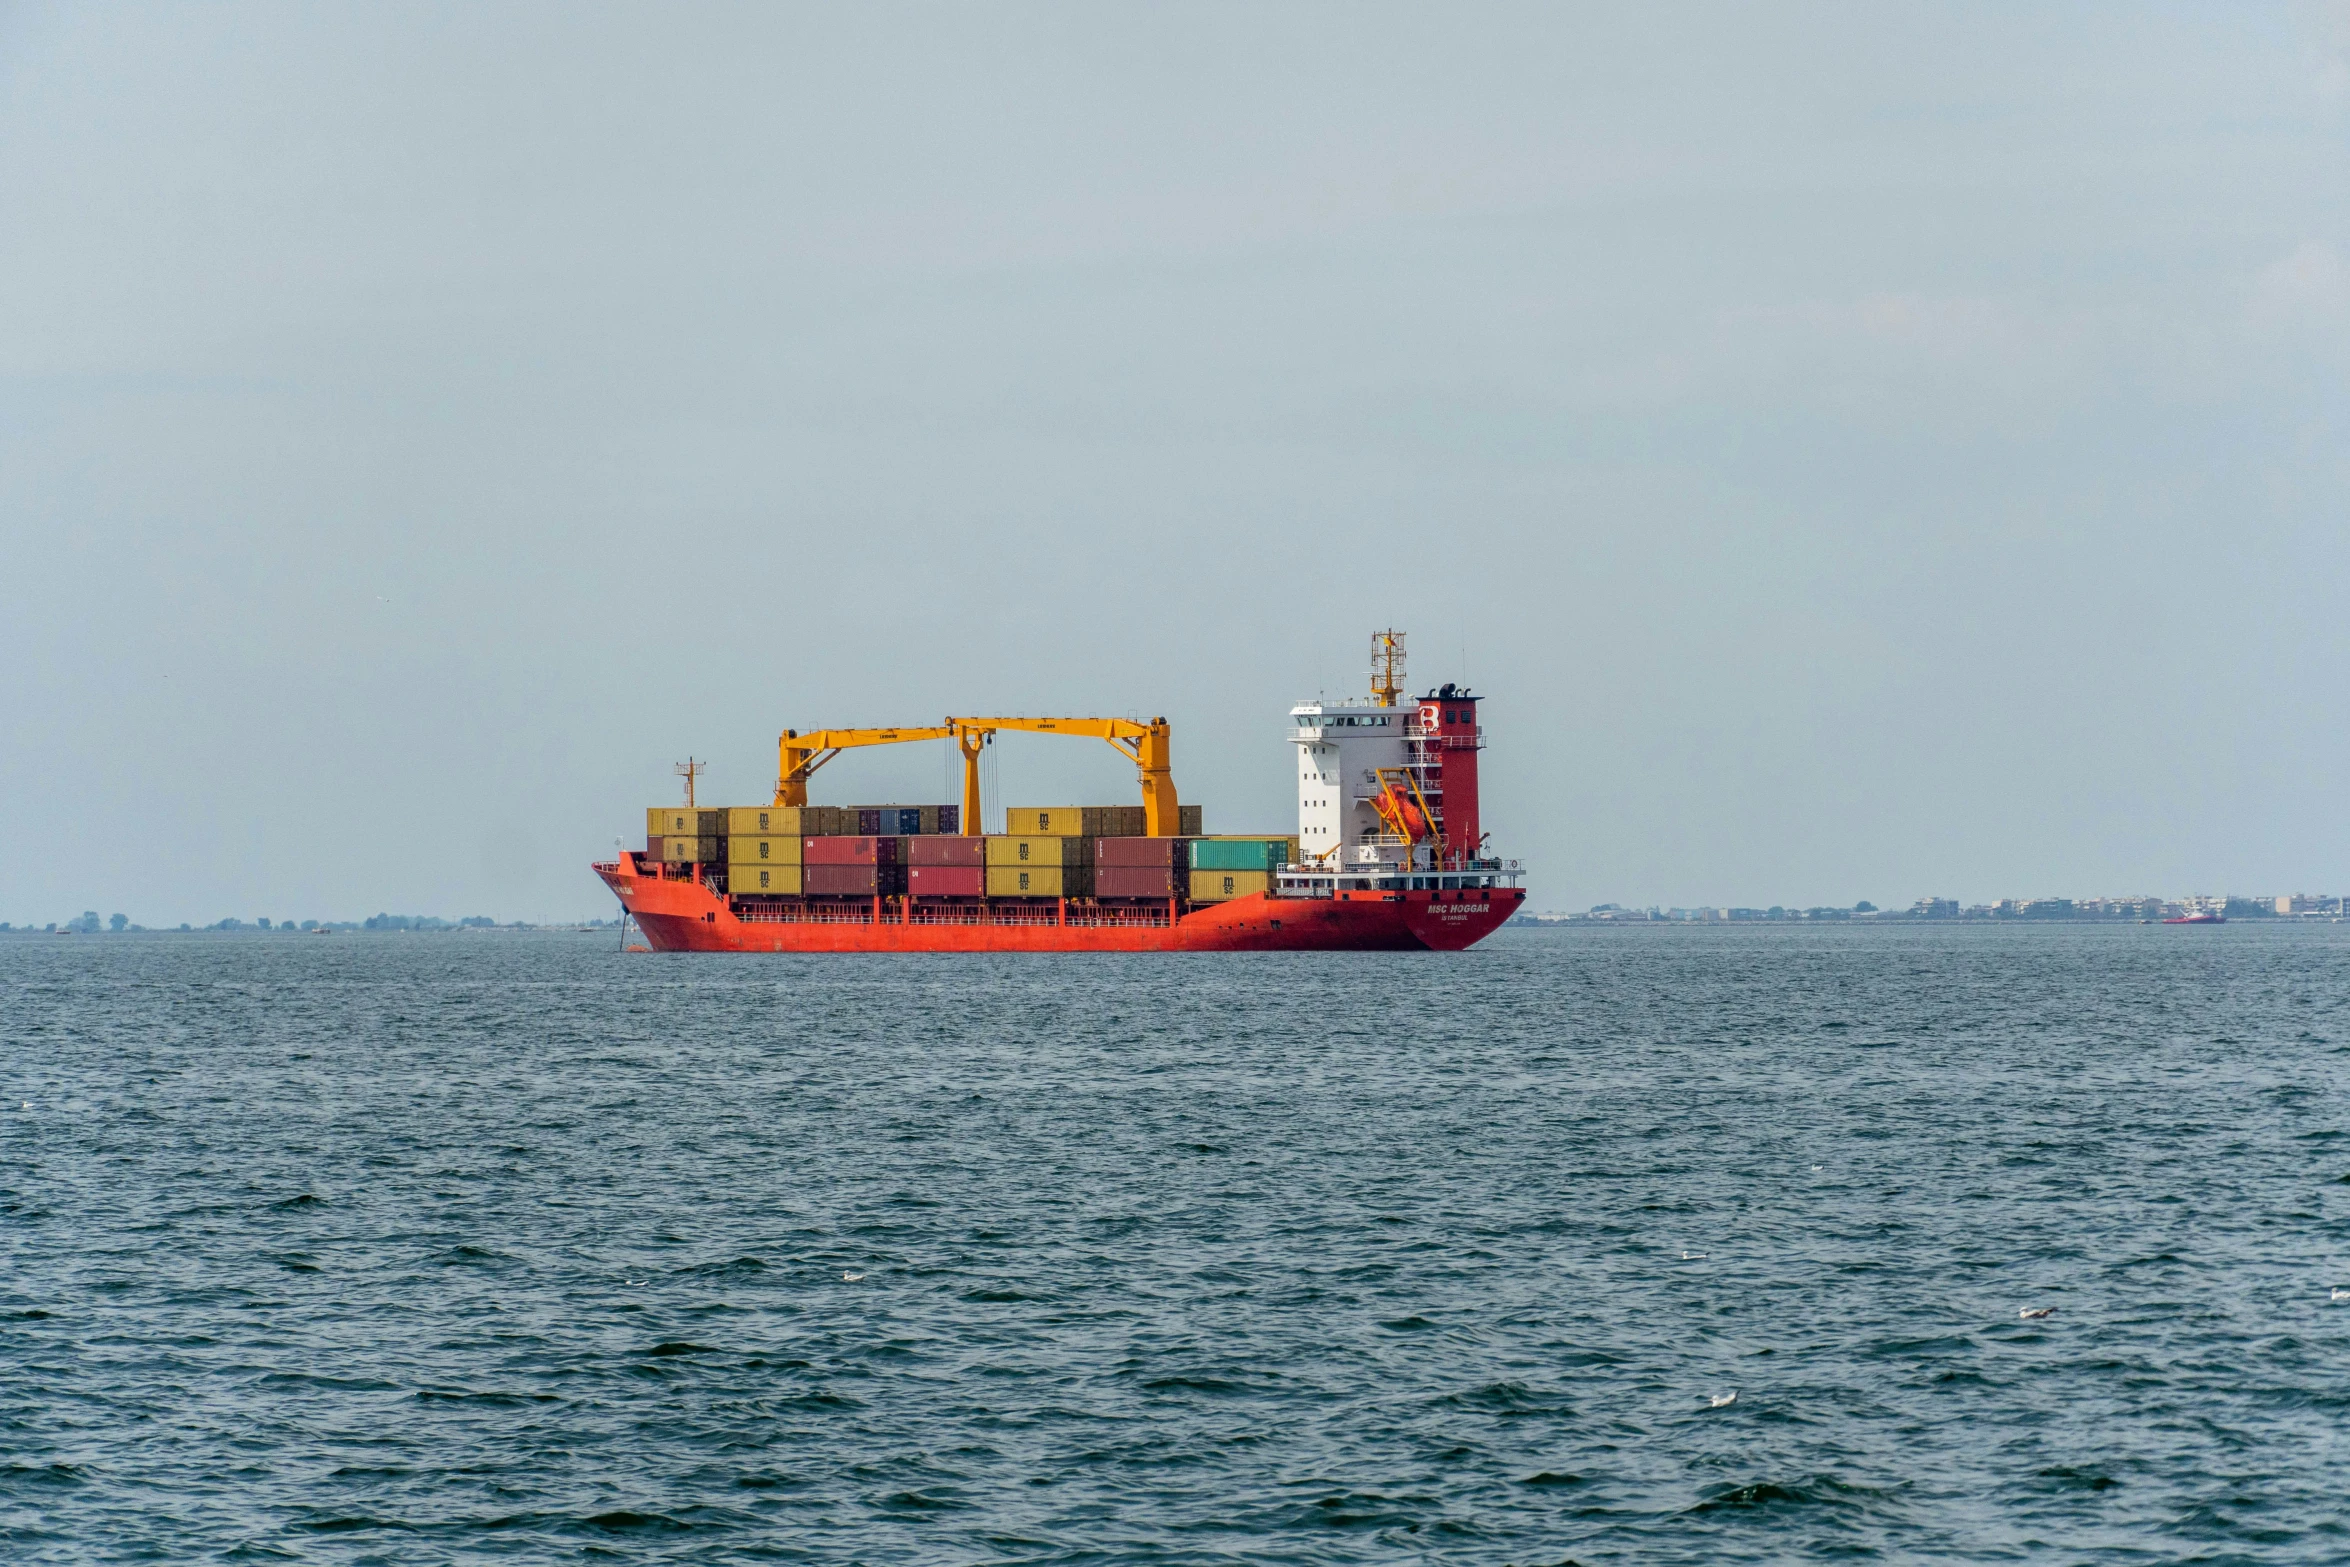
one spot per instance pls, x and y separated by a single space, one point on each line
1373 776
1340 748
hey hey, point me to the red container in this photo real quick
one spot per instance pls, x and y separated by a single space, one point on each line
932 849
849 851
1133 881
946 881
1166 853
848 881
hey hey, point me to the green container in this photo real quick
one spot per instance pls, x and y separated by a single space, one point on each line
1239 854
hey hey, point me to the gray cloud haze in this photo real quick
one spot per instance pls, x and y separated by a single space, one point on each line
1860 451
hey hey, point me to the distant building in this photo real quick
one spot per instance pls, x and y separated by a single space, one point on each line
2131 907
1934 909
2033 909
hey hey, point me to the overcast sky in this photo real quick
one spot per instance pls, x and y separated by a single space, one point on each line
1860 451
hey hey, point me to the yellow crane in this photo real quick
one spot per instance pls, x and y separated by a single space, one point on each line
798 755
1148 745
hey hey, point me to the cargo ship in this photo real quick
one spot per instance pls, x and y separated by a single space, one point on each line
1388 856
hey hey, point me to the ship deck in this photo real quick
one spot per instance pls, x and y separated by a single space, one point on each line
684 913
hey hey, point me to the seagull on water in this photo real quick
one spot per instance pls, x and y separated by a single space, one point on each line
2035 1313
1722 1400
852 1278
2338 1295
1693 1256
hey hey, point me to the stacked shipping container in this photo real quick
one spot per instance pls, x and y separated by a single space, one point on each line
905 821
786 881
1035 865
1235 867
943 867
756 834
1057 851
684 835
856 867
1139 867
1092 821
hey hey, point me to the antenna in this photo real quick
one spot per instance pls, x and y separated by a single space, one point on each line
687 770
1386 667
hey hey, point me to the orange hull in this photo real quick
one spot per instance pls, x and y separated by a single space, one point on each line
680 914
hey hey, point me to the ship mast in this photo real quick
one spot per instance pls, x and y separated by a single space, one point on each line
1386 667
687 770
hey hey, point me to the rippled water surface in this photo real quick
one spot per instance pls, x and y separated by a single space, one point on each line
409 1249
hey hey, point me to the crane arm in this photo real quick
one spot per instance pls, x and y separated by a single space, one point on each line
1148 745
798 755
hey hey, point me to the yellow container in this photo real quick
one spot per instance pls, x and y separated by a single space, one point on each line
775 880
1092 821
790 821
754 820
785 821
683 851
1031 850
672 821
762 849
1216 886
1039 881
1054 821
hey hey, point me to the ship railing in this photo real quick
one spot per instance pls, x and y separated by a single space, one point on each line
1090 916
1020 915
1086 915
847 914
1145 915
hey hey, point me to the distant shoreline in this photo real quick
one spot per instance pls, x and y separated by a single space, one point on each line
1907 922
2138 909
517 928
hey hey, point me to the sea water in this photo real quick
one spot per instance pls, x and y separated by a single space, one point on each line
1614 1245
